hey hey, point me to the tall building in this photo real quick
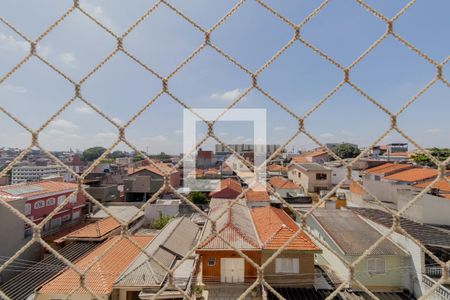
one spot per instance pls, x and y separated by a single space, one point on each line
240 148
30 173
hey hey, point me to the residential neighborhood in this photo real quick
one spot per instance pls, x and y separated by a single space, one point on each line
173 243
224 150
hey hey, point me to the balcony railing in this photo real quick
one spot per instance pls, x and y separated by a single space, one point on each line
442 291
434 272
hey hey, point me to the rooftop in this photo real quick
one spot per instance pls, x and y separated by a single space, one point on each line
120 252
165 168
98 230
31 189
282 183
426 234
442 184
388 168
312 167
125 213
257 196
352 234
413 175
234 224
275 228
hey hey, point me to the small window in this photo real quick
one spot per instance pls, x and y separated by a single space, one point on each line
66 218
287 265
377 178
211 262
39 204
61 199
376 266
73 199
51 201
321 176
27 208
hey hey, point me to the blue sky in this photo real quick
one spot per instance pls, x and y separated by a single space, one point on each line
391 74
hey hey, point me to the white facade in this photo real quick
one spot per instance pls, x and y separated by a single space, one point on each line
35 173
429 209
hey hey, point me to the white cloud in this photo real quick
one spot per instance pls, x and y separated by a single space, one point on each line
13 88
68 58
63 124
84 109
433 130
10 43
326 135
157 138
228 95
97 12
279 128
118 121
44 50
106 135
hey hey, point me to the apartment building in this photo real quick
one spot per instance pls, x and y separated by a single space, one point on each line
30 173
41 198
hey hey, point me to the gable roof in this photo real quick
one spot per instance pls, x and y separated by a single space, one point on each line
413 175
151 168
388 168
257 196
442 184
228 184
234 224
175 240
100 278
311 167
426 234
94 231
31 189
275 228
276 168
352 234
282 183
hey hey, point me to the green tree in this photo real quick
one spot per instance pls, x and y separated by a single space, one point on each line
440 154
198 198
93 153
118 154
137 157
160 222
345 150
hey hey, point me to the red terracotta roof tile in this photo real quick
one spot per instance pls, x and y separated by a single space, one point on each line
388 168
275 227
412 175
441 184
257 196
282 183
95 230
101 277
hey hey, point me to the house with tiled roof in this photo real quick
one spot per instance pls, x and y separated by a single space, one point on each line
285 187
144 277
142 182
227 189
312 177
276 170
293 267
219 261
109 261
412 176
257 197
94 232
318 155
347 237
43 197
386 169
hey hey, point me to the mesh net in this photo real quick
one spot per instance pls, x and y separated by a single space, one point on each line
297 37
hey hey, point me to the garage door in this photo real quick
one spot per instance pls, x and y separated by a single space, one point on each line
232 270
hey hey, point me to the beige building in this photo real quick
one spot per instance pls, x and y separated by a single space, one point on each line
311 176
